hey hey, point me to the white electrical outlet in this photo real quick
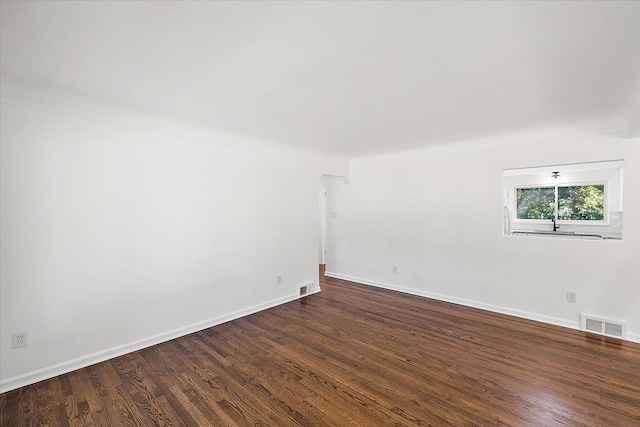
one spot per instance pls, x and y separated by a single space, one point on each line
394 268
279 280
19 339
571 296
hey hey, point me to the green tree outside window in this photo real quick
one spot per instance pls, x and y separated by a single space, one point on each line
536 203
574 203
581 203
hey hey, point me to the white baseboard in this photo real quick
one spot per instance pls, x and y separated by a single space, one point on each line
633 337
91 359
311 293
470 303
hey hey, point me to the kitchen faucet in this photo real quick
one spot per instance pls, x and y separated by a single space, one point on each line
555 225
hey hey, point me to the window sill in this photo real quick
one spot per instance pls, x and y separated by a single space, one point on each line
567 235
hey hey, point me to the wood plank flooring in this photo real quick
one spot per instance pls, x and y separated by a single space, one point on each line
352 355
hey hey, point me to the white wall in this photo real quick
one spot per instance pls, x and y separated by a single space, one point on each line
114 238
439 219
333 231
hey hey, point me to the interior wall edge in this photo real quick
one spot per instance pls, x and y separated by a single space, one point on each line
632 337
610 127
31 97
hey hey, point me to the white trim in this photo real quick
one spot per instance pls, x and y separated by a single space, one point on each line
470 303
612 126
567 167
91 359
185 130
605 185
323 224
316 291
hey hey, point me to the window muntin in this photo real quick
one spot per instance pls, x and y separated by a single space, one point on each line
580 203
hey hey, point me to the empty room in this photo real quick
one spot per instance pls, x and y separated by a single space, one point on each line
320 213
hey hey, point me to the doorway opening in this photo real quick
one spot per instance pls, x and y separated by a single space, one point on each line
331 202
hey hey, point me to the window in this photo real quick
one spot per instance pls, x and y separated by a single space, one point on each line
564 203
581 203
571 201
535 203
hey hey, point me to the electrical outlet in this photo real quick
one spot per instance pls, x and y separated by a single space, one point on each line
279 280
394 268
19 339
571 296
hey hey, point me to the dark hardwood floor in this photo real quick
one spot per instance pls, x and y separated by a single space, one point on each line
351 355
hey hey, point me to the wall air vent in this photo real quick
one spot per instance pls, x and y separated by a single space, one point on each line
602 326
307 289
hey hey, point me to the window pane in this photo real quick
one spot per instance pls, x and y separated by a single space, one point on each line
535 203
581 203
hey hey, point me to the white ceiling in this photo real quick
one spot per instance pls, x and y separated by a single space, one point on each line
344 78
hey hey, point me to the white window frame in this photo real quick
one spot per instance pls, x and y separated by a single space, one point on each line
605 221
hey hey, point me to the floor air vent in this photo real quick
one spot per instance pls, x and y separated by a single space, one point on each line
602 326
303 290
